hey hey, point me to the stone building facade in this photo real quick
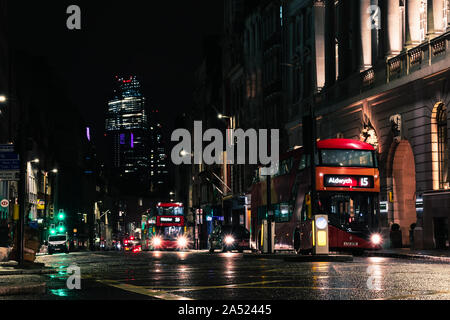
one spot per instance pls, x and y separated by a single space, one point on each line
384 81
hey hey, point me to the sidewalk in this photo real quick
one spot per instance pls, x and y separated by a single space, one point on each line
406 253
26 279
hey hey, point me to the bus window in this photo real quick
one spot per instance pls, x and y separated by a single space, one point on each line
170 211
304 162
347 158
283 212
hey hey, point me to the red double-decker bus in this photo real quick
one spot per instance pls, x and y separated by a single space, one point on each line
347 187
170 227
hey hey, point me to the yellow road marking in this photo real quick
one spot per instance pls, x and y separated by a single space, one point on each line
144 291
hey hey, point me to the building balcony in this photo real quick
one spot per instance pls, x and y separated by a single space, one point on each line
414 63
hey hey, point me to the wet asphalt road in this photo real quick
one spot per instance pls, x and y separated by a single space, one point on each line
231 276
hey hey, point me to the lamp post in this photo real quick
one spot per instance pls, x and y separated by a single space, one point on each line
231 140
46 183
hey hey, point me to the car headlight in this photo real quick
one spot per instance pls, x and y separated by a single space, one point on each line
229 240
376 239
182 242
156 241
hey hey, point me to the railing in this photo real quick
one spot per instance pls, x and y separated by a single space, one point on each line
394 68
417 58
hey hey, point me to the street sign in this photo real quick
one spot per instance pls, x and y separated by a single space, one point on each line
9 163
40 204
320 234
9 175
4 203
6 148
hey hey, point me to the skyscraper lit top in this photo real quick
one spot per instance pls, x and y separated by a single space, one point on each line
126 111
127 129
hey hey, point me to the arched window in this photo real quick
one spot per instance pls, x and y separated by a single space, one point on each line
441 119
439 146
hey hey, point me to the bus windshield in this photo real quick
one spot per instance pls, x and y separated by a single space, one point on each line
170 211
347 158
170 233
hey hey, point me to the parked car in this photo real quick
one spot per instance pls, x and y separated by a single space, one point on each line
227 238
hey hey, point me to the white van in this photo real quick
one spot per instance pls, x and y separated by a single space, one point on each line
58 243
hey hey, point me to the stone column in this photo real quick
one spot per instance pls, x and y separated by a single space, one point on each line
435 15
344 19
365 36
447 7
412 23
394 43
330 45
319 36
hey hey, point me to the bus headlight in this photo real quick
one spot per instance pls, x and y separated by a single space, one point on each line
156 241
376 239
182 242
229 240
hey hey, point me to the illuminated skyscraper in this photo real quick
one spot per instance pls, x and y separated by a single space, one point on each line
127 128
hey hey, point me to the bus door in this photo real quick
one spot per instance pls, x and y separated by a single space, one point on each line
354 210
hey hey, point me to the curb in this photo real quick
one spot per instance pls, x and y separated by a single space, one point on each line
409 256
265 256
300 258
27 272
318 258
21 290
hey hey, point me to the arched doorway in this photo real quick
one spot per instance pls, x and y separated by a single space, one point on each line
404 187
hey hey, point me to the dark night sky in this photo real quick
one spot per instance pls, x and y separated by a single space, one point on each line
159 40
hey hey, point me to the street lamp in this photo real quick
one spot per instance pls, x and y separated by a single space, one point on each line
221 116
46 196
184 153
2 99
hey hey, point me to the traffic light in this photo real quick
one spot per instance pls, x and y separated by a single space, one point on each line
61 215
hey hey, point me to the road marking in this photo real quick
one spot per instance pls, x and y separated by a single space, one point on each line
226 286
166 292
143 290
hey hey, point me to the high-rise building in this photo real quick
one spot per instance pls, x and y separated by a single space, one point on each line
127 128
159 167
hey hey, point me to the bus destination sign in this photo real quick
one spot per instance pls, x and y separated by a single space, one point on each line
339 181
166 221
